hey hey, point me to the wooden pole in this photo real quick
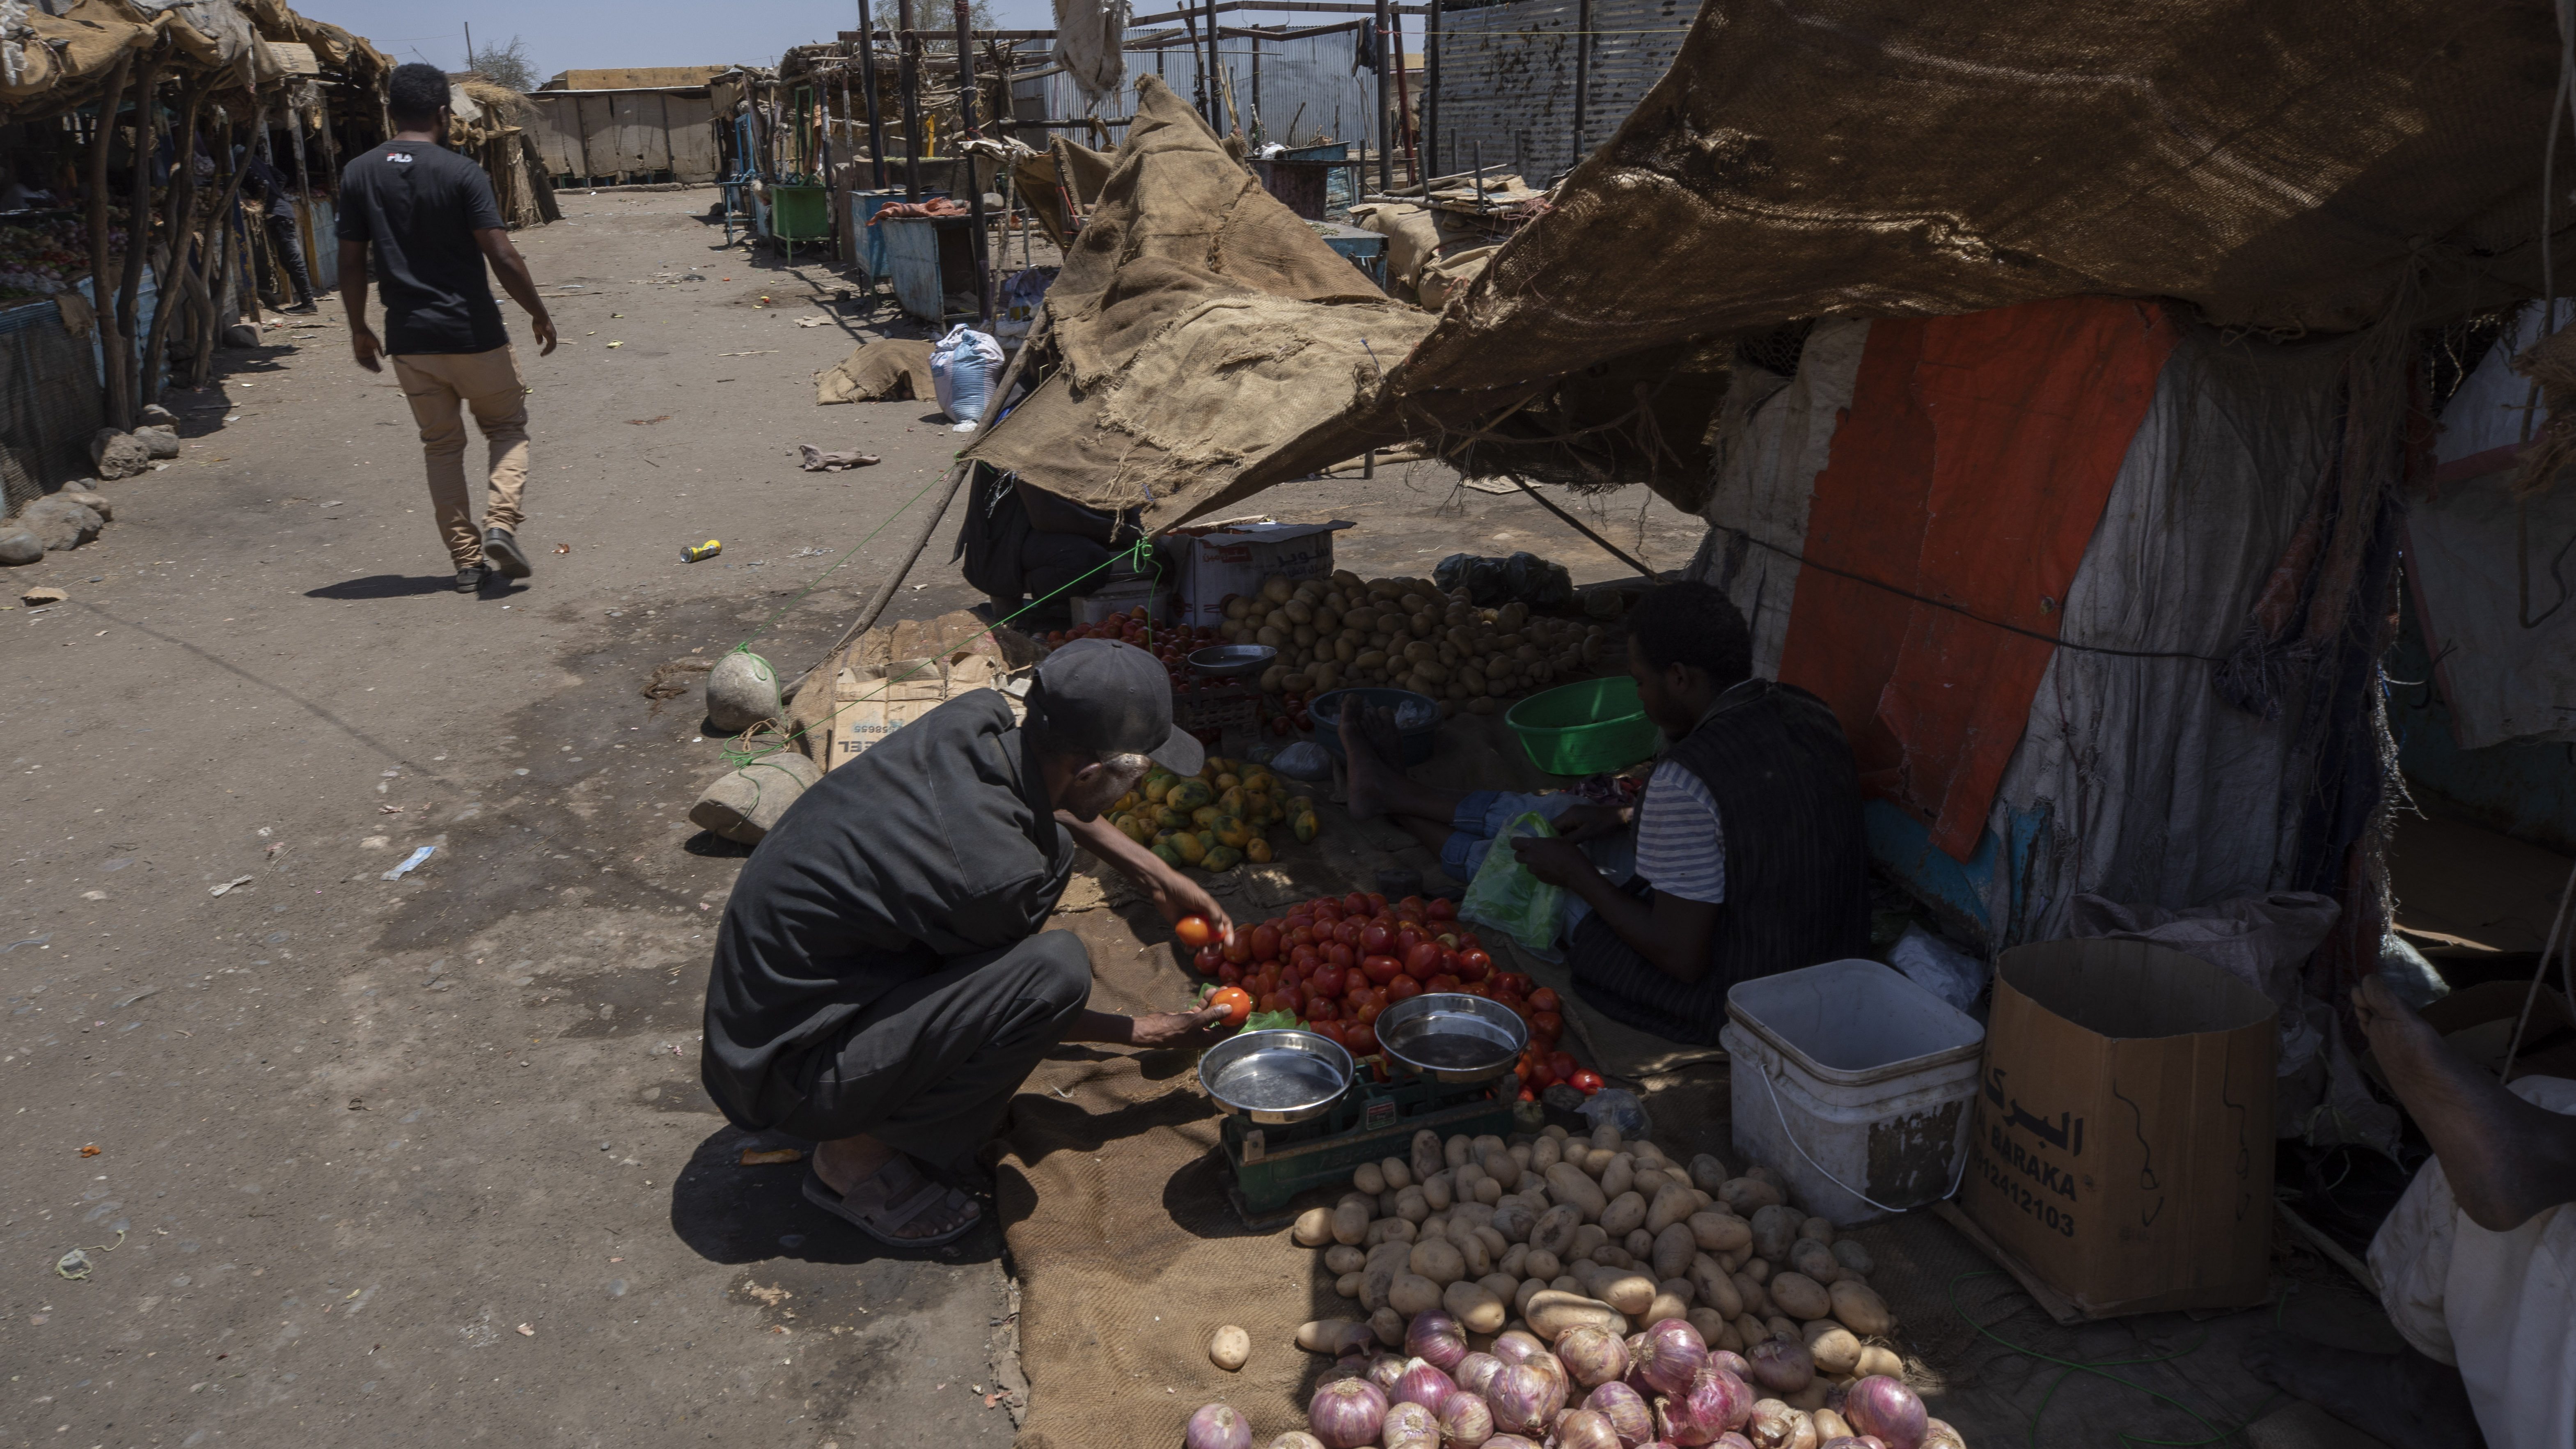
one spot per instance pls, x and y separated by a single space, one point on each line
1385 135
1431 89
1582 69
171 255
1404 103
868 91
910 79
119 403
138 236
974 184
220 265
1216 74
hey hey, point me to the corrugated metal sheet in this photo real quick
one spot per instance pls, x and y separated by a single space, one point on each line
1507 78
625 133
1306 83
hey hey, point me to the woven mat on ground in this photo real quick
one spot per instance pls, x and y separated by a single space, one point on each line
1128 1255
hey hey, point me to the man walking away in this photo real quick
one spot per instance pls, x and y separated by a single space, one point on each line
430 215
277 212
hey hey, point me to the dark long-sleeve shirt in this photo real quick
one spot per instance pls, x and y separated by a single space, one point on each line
938 842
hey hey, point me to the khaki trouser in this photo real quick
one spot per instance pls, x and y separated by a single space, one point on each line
442 384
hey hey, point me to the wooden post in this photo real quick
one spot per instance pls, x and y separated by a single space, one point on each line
1582 69
1215 73
138 236
1431 165
119 403
1198 62
1404 101
172 254
911 82
974 185
1256 124
1385 113
868 91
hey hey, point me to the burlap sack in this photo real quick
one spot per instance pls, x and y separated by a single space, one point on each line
887 369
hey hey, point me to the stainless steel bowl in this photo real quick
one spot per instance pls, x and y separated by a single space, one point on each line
1275 1077
1451 1037
1231 661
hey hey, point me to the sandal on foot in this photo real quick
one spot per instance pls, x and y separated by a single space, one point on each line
904 1194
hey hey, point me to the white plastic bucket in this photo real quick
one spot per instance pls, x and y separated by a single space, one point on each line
1853 1083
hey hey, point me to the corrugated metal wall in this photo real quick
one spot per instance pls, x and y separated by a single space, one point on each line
1308 83
1507 78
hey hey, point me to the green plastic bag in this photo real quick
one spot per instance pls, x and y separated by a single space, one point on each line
1505 896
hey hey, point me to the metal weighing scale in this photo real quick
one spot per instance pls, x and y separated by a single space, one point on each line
1280 1149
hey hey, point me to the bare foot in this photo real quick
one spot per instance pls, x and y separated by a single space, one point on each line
2402 1398
1368 771
2506 1159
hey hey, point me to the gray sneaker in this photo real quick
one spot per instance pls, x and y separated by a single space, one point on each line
469 579
501 551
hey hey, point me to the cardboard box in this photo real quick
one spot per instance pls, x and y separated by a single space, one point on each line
1226 559
930 662
2121 1145
1120 597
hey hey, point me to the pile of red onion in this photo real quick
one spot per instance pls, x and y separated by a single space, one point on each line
1664 1388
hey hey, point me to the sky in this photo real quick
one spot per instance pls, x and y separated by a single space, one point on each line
611 34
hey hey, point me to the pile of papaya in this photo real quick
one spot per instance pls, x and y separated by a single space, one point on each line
1214 820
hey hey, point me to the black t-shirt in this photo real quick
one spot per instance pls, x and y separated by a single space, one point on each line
420 204
938 842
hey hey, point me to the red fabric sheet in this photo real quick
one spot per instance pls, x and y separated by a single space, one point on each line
1974 462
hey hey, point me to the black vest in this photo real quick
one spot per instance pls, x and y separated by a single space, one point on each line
1797 865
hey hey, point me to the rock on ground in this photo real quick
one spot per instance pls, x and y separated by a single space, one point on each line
742 690
119 455
18 546
95 502
61 522
38 598
164 442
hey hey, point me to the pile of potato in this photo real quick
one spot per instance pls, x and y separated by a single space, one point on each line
1550 1232
1346 630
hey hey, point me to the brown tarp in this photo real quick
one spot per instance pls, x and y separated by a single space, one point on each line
2297 167
1200 325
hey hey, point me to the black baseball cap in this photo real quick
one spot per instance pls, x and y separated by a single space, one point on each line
1112 699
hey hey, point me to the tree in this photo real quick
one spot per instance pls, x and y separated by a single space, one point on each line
940 16
506 64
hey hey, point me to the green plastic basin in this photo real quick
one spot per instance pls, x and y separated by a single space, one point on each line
1585 728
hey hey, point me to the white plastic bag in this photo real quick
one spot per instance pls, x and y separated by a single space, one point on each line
1939 967
963 365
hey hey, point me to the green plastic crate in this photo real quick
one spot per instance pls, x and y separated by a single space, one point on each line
1586 727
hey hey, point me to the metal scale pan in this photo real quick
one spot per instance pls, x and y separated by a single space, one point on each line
1275 1077
1451 1037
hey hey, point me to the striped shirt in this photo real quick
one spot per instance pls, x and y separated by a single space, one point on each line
1680 849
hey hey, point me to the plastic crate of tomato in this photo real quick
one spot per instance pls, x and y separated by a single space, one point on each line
1332 964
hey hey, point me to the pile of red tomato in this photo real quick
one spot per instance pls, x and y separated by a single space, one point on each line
1336 962
1170 643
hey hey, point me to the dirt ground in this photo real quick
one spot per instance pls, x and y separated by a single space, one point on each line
490 1198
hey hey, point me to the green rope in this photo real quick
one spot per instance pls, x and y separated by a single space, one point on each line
817 582
2071 1368
742 753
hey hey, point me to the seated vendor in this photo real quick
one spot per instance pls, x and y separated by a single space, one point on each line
881 985
1747 846
2476 1267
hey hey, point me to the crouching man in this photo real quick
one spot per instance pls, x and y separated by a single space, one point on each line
881 984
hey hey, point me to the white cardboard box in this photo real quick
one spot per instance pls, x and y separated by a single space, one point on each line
1226 559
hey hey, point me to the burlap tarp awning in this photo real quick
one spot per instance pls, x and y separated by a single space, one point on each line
1199 325
2295 168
